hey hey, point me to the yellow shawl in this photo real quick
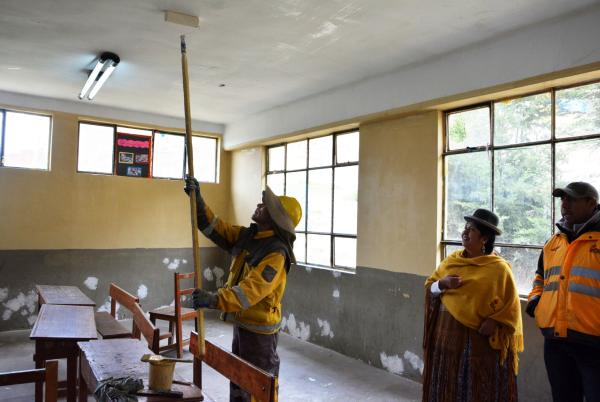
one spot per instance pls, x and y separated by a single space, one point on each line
488 291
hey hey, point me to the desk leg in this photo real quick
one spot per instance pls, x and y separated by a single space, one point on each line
39 363
71 378
83 389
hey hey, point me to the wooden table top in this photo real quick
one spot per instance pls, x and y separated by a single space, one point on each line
70 295
56 322
121 357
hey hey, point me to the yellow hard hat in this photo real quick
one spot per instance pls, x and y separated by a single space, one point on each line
285 211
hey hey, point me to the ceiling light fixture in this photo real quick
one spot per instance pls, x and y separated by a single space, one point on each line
104 67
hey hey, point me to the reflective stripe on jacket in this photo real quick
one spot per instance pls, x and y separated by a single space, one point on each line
569 289
257 278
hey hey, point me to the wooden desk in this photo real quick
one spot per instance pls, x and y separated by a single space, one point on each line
68 295
56 332
115 358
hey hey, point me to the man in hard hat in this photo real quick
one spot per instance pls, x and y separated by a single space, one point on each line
251 299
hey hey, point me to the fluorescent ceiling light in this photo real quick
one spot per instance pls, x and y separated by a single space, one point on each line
107 61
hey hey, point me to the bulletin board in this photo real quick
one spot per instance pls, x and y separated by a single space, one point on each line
133 155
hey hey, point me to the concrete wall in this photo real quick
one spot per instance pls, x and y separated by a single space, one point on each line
64 227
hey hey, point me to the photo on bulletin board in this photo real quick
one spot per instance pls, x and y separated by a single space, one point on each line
126 157
141 158
135 171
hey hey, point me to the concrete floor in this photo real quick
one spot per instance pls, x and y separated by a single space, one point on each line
308 372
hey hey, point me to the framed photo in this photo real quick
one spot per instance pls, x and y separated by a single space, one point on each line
141 158
135 171
126 157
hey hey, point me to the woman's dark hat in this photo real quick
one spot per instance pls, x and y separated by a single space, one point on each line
485 218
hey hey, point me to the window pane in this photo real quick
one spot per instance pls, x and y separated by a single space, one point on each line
318 249
573 163
522 187
26 140
345 252
347 147
521 120
296 155
345 200
137 131
319 200
205 159
275 182
276 158
167 161
467 188
299 247
578 111
470 128
320 151
95 153
451 248
296 187
524 263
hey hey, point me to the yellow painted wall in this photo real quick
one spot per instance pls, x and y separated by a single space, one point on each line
399 194
63 209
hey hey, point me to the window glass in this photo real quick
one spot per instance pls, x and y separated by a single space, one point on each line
96 148
296 155
345 196
296 187
578 111
318 249
522 120
320 151
300 247
276 182
205 159
167 161
276 159
319 200
347 147
26 140
524 263
522 187
469 128
573 162
136 131
345 252
468 187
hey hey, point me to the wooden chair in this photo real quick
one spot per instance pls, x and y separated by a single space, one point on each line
106 323
260 384
176 314
49 375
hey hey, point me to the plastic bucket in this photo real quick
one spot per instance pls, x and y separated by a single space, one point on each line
161 375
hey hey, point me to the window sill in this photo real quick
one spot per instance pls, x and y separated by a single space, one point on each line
326 268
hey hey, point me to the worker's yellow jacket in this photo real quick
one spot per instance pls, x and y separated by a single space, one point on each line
569 288
252 295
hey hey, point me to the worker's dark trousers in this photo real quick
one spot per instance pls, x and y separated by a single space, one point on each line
258 349
573 370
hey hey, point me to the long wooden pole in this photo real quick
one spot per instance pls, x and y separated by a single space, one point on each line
193 201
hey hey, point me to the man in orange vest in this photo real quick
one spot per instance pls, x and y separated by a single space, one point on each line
565 298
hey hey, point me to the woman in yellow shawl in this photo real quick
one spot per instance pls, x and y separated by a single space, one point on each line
473 327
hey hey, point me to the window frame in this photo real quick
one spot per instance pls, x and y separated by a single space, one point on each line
491 148
3 112
334 164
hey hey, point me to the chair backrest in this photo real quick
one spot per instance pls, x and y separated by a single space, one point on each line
260 384
49 375
116 294
180 291
141 323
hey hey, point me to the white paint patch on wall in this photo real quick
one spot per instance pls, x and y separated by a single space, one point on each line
327 28
173 265
308 269
7 314
393 364
142 291
208 275
106 306
336 274
3 294
336 293
165 261
219 273
31 319
91 282
325 328
300 331
414 360
23 303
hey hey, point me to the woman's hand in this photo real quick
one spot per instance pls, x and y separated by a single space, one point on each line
488 327
450 282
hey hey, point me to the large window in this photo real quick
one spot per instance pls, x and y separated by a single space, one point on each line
24 140
166 159
508 155
322 173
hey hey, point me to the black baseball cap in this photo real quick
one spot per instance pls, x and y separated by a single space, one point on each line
577 189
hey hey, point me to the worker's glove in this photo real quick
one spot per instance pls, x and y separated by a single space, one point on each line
191 184
203 299
530 309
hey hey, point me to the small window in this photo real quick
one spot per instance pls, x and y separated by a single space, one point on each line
25 140
205 159
169 151
96 148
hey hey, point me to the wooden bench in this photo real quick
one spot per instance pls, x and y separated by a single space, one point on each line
106 323
49 375
260 384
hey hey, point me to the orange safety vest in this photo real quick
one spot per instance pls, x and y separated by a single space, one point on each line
571 286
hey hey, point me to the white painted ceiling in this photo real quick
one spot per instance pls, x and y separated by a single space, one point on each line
267 53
